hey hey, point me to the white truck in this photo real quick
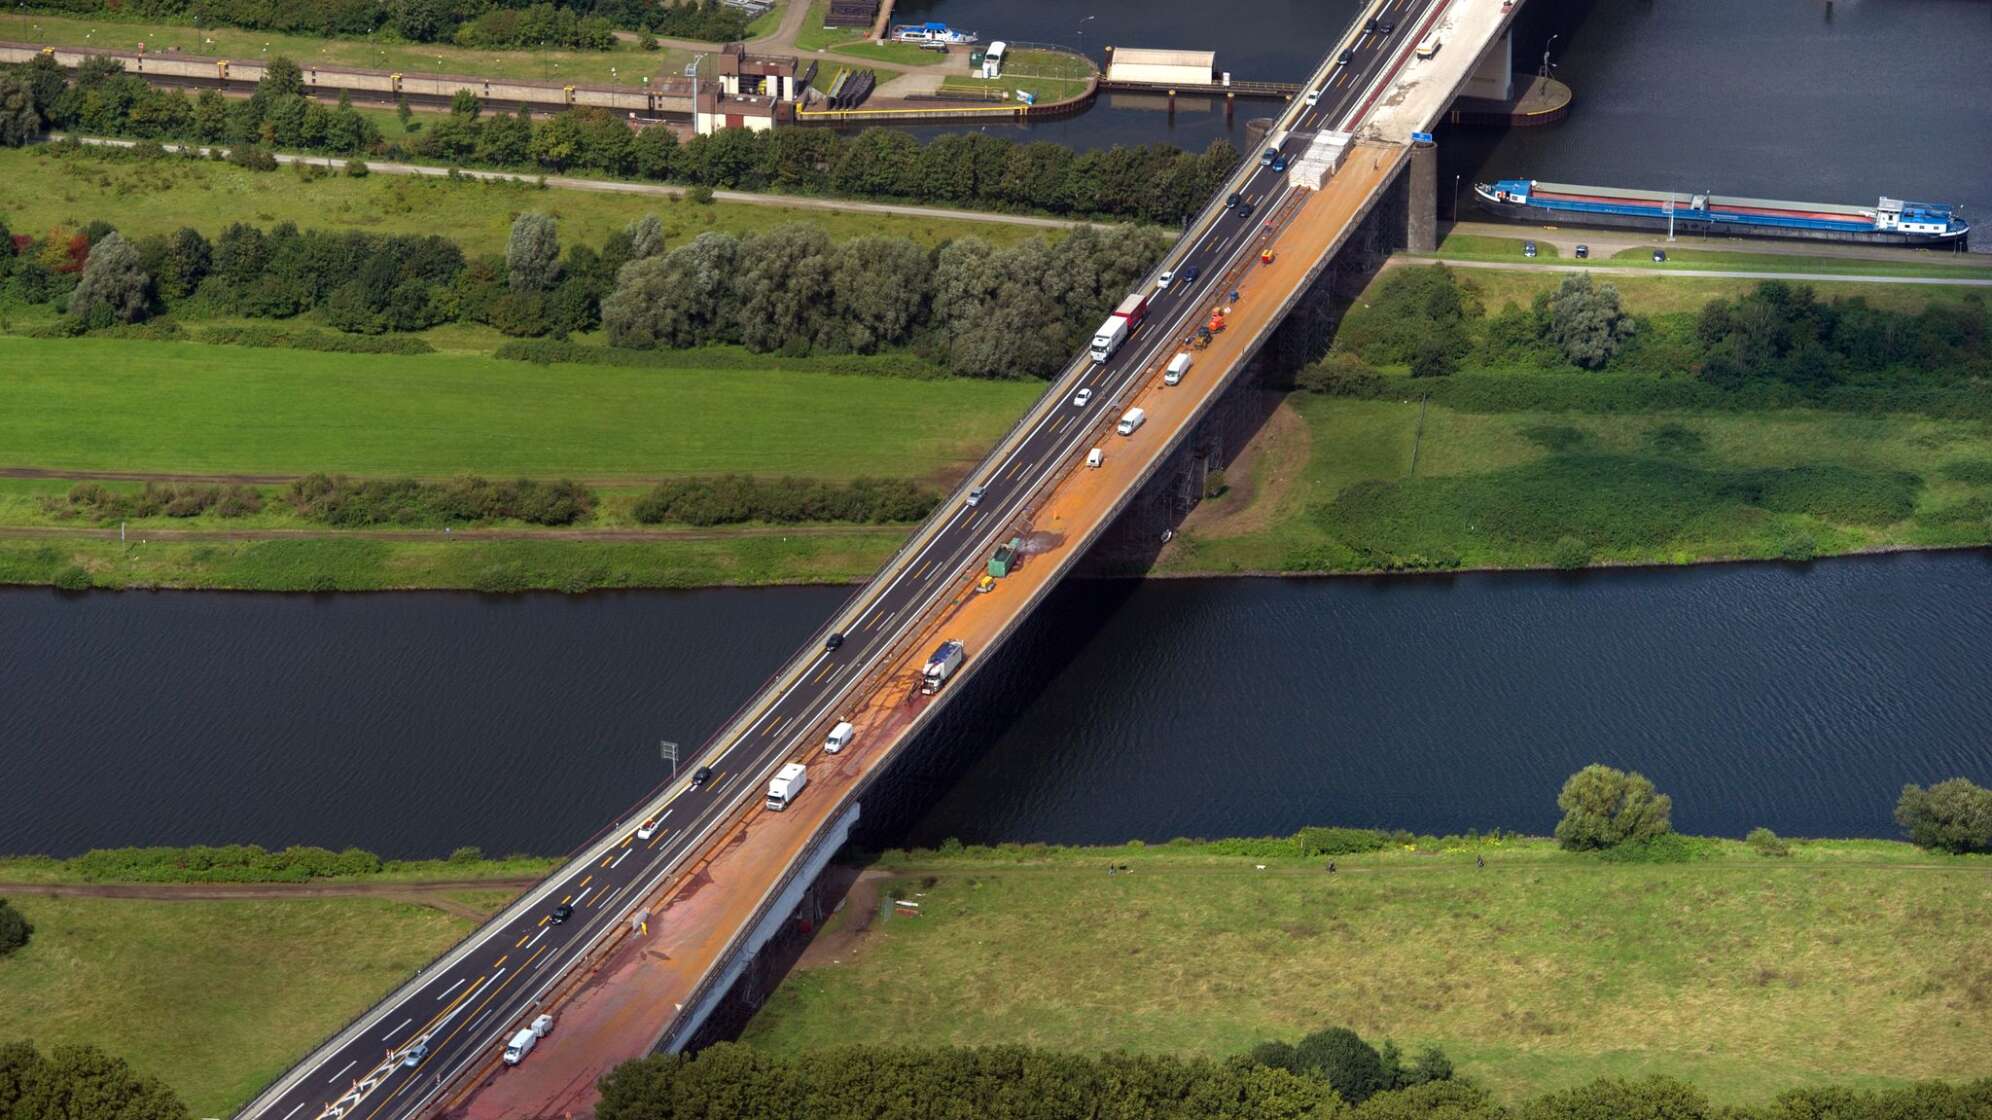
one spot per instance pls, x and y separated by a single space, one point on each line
785 785
523 1042
941 666
1178 366
1119 325
1130 420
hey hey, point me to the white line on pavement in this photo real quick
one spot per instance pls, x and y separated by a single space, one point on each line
342 1071
451 988
395 1031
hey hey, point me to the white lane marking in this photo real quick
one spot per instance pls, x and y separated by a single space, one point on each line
479 1019
665 817
620 858
342 1071
582 895
451 988
396 1030
293 1111
537 936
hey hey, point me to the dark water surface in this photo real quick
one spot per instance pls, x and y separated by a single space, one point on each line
1799 698
1789 99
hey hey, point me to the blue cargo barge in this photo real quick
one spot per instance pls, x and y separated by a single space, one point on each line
1889 222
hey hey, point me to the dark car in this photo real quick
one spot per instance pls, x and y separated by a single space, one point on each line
1245 209
1189 274
1233 200
1583 252
1385 27
1279 165
1345 58
701 776
561 913
1369 26
1528 248
1659 256
833 641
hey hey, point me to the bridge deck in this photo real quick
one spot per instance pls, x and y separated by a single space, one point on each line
634 994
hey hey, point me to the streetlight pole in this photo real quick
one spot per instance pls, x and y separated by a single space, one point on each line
1544 72
1456 179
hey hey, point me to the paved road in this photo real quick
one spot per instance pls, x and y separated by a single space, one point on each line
658 190
470 1001
1731 273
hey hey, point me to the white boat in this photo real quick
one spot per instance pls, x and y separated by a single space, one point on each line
931 32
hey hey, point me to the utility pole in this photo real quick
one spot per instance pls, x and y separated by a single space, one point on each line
669 750
1456 199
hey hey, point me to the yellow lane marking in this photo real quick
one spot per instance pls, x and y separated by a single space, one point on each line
778 726
606 860
922 573
542 919
521 943
500 962
495 989
584 882
827 666
567 900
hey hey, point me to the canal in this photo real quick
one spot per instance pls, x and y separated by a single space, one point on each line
1800 99
1800 698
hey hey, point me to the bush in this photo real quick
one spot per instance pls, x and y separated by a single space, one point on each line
348 503
1766 843
1340 374
252 158
1952 816
1316 841
306 338
1570 553
14 929
228 863
357 169
73 578
469 853
1344 1060
732 499
1603 807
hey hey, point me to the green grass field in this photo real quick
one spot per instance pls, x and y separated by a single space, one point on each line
189 408
624 64
38 190
1862 962
1481 247
215 998
855 41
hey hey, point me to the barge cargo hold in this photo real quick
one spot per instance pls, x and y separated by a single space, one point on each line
1889 222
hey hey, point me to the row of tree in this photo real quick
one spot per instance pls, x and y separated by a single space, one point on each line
734 1082
1154 183
564 23
732 499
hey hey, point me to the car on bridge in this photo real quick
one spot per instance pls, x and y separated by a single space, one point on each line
701 776
1313 98
833 641
561 913
647 829
1163 281
1080 398
975 495
415 1055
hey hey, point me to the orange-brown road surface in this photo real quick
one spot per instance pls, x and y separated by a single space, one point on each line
626 1003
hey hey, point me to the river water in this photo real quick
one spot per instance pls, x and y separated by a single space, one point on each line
1799 99
1795 697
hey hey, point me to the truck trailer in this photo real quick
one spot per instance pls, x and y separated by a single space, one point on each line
1119 326
785 785
942 665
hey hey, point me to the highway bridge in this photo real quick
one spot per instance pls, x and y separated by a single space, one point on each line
636 939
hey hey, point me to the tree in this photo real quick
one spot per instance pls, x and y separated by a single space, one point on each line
779 285
464 103
1433 358
1351 1065
683 298
1603 807
14 929
1656 1098
532 253
282 78
80 1083
20 116
646 237
1953 816
113 280
1434 1100
880 287
1586 322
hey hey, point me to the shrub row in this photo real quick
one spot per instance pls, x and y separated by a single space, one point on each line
548 351
228 863
349 503
587 24
306 338
93 499
732 499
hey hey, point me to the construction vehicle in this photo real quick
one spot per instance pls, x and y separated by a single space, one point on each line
1006 557
1200 340
1265 256
942 665
986 584
1217 320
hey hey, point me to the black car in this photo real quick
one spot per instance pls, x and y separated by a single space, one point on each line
1233 200
1659 256
1369 26
701 776
1245 209
1385 27
561 913
1345 58
833 641
1189 274
1583 252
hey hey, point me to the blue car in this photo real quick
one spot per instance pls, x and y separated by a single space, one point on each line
1189 274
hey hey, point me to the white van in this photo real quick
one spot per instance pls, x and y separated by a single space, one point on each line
1132 419
1178 366
520 1046
1095 457
840 737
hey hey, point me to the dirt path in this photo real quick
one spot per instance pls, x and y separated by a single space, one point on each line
433 894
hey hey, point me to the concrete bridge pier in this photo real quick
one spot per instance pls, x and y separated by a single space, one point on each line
1421 217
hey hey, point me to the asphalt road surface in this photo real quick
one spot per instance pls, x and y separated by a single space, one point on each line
477 997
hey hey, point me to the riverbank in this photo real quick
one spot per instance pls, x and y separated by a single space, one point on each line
1847 961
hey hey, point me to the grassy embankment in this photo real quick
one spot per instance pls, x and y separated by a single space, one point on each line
624 64
1861 962
176 408
1046 75
1442 486
1900 262
144 198
856 42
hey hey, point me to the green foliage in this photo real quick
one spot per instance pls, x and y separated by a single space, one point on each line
1668 847
72 577
1555 437
80 1083
1570 553
1586 322
15 930
1603 807
1340 374
227 863
469 853
1655 1098
732 499
1950 816
1767 843
20 116
1415 317
351 503
532 254
1613 503
305 338
156 499
1433 1100
549 351
113 283
1319 841
1978 472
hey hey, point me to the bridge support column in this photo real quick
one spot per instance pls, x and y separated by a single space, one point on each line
1421 219
1494 78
